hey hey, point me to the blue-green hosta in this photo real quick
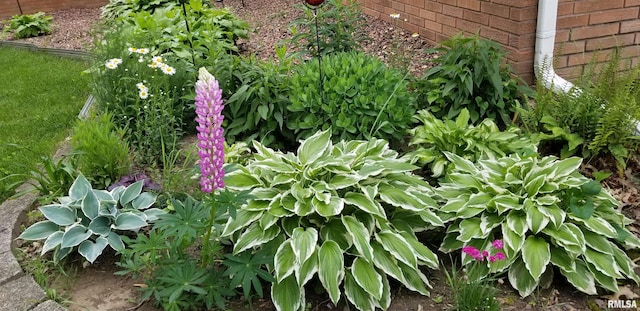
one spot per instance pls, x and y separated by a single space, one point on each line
434 136
547 214
352 203
90 219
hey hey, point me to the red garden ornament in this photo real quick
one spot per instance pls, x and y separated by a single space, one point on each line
314 2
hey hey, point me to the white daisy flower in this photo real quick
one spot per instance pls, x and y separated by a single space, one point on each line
395 16
144 94
133 50
415 35
168 69
156 59
143 51
111 65
141 86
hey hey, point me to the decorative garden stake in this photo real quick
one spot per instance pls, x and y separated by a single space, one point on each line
313 5
186 22
210 144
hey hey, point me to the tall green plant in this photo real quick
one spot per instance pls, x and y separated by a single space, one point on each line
353 203
546 213
470 74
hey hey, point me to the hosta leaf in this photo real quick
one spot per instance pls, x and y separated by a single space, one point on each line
414 279
278 166
74 235
286 295
517 222
430 217
79 188
115 241
314 147
521 280
451 243
303 207
254 236
504 203
39 231
364 203
536 220
385 301
470 229
335 231
90 205
307 270
129 221
367 277
90 250
554 213
399 198
603 280
359 235
144 201
536 255
454 205
284 261
52 242
152 214
566 167
600 226
331 269
59 214
561 259
334 207
100 225
604 262
362 300
490 221
581 278
598 242
384 261
461 163
512 239
423 253
241 180
243 219
625 263
131 192
343 181
398 247
534 185
303 243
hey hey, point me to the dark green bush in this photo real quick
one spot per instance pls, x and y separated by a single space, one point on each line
470 74
30 25
360 98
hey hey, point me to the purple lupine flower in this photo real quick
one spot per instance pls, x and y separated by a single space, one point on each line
210 133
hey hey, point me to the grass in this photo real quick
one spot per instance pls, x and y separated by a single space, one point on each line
40 97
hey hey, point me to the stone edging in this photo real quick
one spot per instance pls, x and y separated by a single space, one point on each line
18 291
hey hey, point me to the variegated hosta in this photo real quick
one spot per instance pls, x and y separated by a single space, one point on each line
546 213
90 219
353 203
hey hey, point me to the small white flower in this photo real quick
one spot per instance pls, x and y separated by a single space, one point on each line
395 16
405 19
168 69
140 59
156 59
144 94
116 61
143 51
141 86
153 65
145 107
111 65
415 35
132 50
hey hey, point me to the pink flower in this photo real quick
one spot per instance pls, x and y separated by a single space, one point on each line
473 252
500 256
485 254
210 132
492 258
497 244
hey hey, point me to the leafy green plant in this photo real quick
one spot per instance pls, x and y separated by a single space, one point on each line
359 98
30 25
123 8
257 108
472 291
90 219
434 136
353 203
547 214
598 119
340 28
100 150
470 74
172 263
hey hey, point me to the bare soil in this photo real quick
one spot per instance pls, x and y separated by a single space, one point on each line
96 288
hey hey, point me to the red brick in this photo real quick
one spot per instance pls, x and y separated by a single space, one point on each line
571 21
449 2
628 3
495 35
522 41
517 3
469 4
452 10
411 10
565 8
449 31
468 26
570 47
428 35
413 20
594 31
570 73
609 42
433 6
429 15
630 26
446 20
398 6
585 58
562 35
613 15
416 3
476 17
524 14
560 61
433 26
494 9
596 5
630 51
637 38
503 24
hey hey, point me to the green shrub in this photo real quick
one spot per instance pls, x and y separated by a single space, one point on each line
30 25
340 28
360 98
123 8
546 213
598 119
99 150
434 137
470 74
91 219
354 203
257 108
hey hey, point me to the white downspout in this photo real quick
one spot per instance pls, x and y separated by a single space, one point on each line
545 41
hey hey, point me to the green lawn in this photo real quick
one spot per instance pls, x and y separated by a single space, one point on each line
40 97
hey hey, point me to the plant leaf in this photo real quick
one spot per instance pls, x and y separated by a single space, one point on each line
284 261
286 295
331 269
536 256
303 243
314 147
40 230
59 214
521 280
367 277
90 250
74 235
129 221
360 236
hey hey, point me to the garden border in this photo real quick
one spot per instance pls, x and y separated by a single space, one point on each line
18 290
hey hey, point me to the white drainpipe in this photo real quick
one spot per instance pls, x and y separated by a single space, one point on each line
545 41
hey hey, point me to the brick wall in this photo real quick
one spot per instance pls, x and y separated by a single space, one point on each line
583 27
9 8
